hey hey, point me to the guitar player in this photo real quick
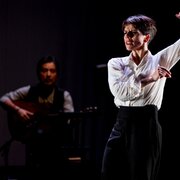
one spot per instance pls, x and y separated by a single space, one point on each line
28 107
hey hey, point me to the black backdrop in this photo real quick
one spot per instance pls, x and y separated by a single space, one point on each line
83 36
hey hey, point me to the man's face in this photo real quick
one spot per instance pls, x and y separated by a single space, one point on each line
48 74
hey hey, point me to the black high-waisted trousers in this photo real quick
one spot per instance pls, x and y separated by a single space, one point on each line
133 149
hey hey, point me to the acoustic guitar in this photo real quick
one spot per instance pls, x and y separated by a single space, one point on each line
43 122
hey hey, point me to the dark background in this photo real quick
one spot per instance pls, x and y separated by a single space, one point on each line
84 36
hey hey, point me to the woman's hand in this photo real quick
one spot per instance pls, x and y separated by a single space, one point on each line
163 72
178 15
160 72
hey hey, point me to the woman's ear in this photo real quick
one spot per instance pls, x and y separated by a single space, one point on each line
147 38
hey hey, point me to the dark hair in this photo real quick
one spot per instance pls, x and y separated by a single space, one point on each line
143 23
46 59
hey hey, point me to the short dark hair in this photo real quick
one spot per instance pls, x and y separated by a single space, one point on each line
46 59
143 23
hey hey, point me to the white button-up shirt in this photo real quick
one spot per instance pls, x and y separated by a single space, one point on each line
123 77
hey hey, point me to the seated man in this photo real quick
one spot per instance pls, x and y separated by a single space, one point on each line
31 105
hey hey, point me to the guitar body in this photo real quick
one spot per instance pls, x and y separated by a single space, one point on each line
36 126
43 123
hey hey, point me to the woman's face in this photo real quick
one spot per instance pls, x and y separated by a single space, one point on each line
133 38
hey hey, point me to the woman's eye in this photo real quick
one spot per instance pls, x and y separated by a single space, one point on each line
130 33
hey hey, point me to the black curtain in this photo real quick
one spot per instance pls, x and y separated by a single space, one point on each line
83 36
